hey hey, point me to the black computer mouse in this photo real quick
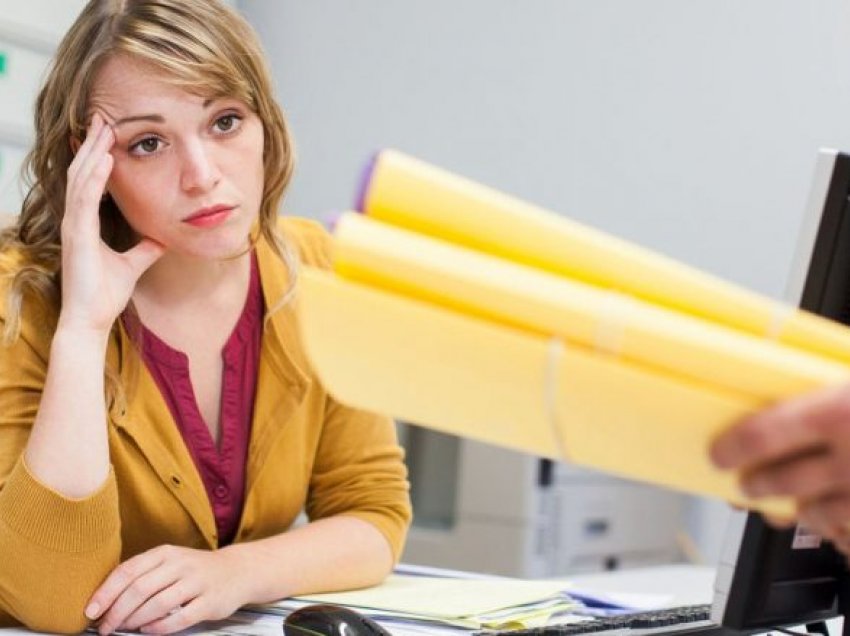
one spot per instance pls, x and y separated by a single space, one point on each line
330 620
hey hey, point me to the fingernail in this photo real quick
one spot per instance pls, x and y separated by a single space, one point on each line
93 611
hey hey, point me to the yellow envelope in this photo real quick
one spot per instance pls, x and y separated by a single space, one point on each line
425 199
508 293
463 375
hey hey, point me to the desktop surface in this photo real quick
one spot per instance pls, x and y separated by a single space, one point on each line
667 586
672 585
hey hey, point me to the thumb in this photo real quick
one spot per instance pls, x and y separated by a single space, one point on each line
141 256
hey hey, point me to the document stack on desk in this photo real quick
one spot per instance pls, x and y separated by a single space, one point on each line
410 604
440 602
459 308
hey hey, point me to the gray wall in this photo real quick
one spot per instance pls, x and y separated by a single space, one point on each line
688 126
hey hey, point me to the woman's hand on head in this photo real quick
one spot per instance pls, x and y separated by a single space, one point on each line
167 589
97 282
799 448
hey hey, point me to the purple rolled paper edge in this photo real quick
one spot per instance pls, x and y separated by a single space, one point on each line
365 182
331 219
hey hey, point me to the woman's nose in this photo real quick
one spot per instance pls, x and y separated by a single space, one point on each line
199 169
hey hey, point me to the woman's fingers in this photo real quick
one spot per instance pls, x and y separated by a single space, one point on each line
87 178
95 176
97 141
82 148
166 589
159 606
120 579
178 620
127 587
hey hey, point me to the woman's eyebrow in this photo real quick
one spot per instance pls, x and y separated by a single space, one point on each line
126 120
159 119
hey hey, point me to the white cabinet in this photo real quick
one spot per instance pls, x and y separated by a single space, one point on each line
482 508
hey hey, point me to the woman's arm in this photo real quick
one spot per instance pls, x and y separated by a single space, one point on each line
360 509
337 553
60 530
171 588
68 449
56 548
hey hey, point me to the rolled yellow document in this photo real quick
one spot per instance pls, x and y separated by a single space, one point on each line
662 340
466 376
409 193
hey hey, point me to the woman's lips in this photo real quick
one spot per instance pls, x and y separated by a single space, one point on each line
208 217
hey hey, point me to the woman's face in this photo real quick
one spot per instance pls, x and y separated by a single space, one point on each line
187 171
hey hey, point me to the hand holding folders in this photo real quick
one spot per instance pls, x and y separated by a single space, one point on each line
462 309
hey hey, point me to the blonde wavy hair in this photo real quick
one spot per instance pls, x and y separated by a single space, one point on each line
200 45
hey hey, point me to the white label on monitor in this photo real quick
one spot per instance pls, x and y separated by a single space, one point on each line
805 539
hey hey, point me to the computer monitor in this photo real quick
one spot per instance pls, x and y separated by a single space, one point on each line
770 578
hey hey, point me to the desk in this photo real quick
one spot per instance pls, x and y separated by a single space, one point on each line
683 584
680 584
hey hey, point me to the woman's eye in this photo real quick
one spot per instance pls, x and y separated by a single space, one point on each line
227 123
146 146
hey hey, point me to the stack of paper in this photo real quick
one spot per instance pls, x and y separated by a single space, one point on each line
459 308
493 603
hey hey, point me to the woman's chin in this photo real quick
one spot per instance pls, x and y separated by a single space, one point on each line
211 250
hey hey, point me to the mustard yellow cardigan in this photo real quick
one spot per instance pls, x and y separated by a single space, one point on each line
306 452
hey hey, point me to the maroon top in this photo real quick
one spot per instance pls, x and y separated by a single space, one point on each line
222 468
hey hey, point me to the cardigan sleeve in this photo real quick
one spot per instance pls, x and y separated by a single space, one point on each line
359 471
56 551
359 467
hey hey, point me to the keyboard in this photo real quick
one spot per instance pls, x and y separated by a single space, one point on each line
689 618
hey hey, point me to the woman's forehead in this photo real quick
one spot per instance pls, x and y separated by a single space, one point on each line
123 85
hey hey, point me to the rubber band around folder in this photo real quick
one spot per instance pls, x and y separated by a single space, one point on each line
554 355
608 338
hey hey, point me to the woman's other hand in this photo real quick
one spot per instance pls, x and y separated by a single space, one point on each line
96 281
167 589
801 449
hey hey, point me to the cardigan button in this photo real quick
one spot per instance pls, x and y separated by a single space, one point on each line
176 481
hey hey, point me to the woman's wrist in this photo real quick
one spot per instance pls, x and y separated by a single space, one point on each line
245 572
70 332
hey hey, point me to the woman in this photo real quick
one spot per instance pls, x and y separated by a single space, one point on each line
160 428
